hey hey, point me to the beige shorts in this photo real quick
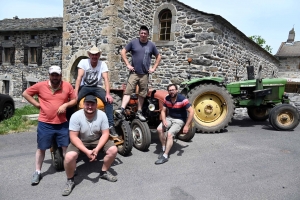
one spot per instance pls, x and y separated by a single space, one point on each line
173 126
137 79
91 145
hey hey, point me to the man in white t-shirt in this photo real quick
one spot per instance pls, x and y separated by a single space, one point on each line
91 71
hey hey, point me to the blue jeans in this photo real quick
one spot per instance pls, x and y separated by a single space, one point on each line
100 93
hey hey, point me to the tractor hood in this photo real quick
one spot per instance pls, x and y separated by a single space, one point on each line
198 80
235 87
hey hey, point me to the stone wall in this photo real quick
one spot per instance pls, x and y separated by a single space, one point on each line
216 46
20 76
289 67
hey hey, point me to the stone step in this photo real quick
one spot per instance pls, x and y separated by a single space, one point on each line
31 117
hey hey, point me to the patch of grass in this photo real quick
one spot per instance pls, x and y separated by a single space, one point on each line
16 123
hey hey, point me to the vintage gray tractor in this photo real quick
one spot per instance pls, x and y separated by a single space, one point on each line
214 101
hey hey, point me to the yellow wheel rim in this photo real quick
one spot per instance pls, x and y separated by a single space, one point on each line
210 109
285 118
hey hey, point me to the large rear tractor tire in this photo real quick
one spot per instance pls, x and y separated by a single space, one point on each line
284 117
189 135
258 113
57 157
141 135
213 107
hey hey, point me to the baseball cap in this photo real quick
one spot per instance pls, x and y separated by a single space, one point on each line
94 50
54 69
90 98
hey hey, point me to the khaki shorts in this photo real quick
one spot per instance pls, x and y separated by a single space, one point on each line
137 79
173 126
91 145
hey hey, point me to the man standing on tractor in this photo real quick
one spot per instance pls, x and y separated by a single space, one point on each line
177 106
54 97
141 50
91 71
89 133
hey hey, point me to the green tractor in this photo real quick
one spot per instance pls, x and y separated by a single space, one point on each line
214 101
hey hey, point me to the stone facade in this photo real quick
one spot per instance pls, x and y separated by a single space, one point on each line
288 55
32 46
217 47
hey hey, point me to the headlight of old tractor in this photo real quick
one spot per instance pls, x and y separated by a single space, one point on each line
151 107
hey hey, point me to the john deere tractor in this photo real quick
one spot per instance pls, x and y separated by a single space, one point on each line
214 101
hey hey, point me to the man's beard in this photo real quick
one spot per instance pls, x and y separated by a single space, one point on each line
86 111
174 95
55 82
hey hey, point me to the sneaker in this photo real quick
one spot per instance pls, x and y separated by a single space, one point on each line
161 154
36 177
68 188
161 160
112 132
120 113
108 176
140 115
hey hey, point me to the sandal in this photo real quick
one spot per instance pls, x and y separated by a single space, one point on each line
108 176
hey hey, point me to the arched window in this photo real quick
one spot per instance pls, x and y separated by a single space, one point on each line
165 21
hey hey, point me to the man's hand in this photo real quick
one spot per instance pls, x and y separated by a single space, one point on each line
151 70
165 123
109 98
62 108
90 154
130 68
185 129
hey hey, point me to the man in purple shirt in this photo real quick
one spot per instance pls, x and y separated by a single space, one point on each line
141 50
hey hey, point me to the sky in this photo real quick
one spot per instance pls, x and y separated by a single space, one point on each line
270 19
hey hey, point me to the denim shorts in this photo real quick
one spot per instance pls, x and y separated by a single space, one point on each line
47 132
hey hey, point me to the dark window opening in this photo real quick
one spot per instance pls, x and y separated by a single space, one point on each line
30 83
165 25
33 55
6 86
6 55
7 37
34 37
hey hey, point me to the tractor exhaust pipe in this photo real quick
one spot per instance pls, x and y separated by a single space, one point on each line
250 71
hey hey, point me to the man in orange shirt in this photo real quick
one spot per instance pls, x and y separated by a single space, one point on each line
54 97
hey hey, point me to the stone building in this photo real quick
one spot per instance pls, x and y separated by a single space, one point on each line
288 55
28 47
179 31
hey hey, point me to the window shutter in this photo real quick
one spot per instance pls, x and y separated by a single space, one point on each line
39 56
25 55
1 49
12 55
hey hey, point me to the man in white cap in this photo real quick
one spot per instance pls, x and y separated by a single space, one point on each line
91 71
54 97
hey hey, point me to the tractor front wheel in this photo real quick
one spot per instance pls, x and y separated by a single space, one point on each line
141 135
284 117
258 113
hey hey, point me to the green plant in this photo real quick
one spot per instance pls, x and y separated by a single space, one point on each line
17 123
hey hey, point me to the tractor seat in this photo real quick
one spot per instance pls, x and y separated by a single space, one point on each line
100 104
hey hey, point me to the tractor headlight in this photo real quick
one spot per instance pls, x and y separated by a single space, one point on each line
151 107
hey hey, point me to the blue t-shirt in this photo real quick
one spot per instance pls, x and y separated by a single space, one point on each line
177 109
141 55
